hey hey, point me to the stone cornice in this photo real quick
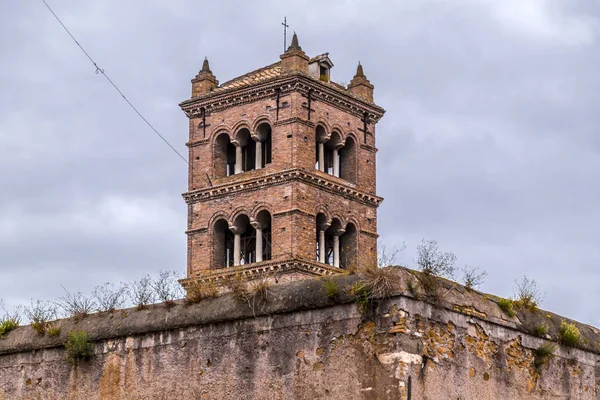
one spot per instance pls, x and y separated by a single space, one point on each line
198 143
265 268
255 183
296 82
368 148
369 233
196 230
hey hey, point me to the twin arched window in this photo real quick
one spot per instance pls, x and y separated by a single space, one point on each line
243 242
337 245
246 152
249 151
336 156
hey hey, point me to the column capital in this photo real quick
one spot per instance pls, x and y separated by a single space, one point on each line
324 139
236 230
258 225
339 232
255 137
324 226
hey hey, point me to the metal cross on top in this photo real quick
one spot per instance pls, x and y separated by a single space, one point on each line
285 26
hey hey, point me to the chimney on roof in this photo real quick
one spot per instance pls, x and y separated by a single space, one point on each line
360 85
294 59
205 81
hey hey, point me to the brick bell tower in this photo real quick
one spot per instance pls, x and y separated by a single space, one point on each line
282 172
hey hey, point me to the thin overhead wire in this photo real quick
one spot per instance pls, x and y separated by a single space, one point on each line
101 71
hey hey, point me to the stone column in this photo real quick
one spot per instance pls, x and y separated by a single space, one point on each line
259 240
237 243
336 251
322 245
321 157
259 245
258 158
336 163
237 248
238 158
336 247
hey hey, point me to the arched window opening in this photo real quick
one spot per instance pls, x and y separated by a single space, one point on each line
245 150
321 239
244 241
327 155
330 247
222 245
320 139
224 156
263 145
348 161
332 154
332 242
262 227
349 247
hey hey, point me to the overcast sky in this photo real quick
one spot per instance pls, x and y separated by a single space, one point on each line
490 142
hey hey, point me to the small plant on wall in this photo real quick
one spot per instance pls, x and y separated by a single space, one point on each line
79 347
9 321
507 306
331 287
40 313
542 354
541 330
568 334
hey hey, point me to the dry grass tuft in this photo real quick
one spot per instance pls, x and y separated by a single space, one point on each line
382 281
260 288
238 287
196 292
53 331
258 296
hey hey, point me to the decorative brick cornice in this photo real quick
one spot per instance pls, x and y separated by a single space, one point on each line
329 185
327 93
262 269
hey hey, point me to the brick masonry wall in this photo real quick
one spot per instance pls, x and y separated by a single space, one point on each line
293 146
293 236
300 344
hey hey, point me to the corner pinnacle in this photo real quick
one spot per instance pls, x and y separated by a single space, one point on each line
205 66
294 45
359 71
